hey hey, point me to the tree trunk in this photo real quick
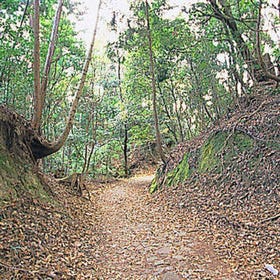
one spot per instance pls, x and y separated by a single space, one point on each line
40 87
181 132
41 147
153 83
125 126
224 14
51 50
60 142
125 150
38 102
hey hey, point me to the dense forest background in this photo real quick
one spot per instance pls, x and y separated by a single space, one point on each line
166 76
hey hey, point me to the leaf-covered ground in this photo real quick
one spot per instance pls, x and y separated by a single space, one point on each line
236 201
143 238
123 233
53 240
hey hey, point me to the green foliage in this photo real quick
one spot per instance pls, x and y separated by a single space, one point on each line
16 56
198 72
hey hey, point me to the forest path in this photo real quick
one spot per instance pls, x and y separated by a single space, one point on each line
140 237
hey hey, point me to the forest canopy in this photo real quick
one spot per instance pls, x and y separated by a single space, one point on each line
161 81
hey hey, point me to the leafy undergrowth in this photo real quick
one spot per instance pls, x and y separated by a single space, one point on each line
41 240
234 195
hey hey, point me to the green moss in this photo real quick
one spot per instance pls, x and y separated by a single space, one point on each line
154 185
179 174
223 147
219 151
5 164
18 177
209 152
242 142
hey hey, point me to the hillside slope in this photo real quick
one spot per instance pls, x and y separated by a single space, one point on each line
228 179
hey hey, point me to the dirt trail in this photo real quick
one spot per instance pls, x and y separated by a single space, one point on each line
140 238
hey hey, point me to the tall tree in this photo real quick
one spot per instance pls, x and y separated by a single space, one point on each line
153 84
117 57
46 148
41 87
38 100
38 144
51 50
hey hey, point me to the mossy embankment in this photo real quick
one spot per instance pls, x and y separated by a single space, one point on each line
19 175
239 144
219 151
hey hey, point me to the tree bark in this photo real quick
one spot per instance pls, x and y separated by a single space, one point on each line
224 14
125 126
51 50
38 102
41 147
153 83
181 132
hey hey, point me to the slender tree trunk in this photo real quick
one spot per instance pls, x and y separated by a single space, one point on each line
153 83
164 102
51 50
90 127
89 153
125 126
38 102
125 150
197 81
24 14
181 132
94 129
60 142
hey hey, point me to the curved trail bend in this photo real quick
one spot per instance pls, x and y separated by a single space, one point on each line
141 237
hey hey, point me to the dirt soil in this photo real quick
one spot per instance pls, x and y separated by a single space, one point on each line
141 238
122 233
